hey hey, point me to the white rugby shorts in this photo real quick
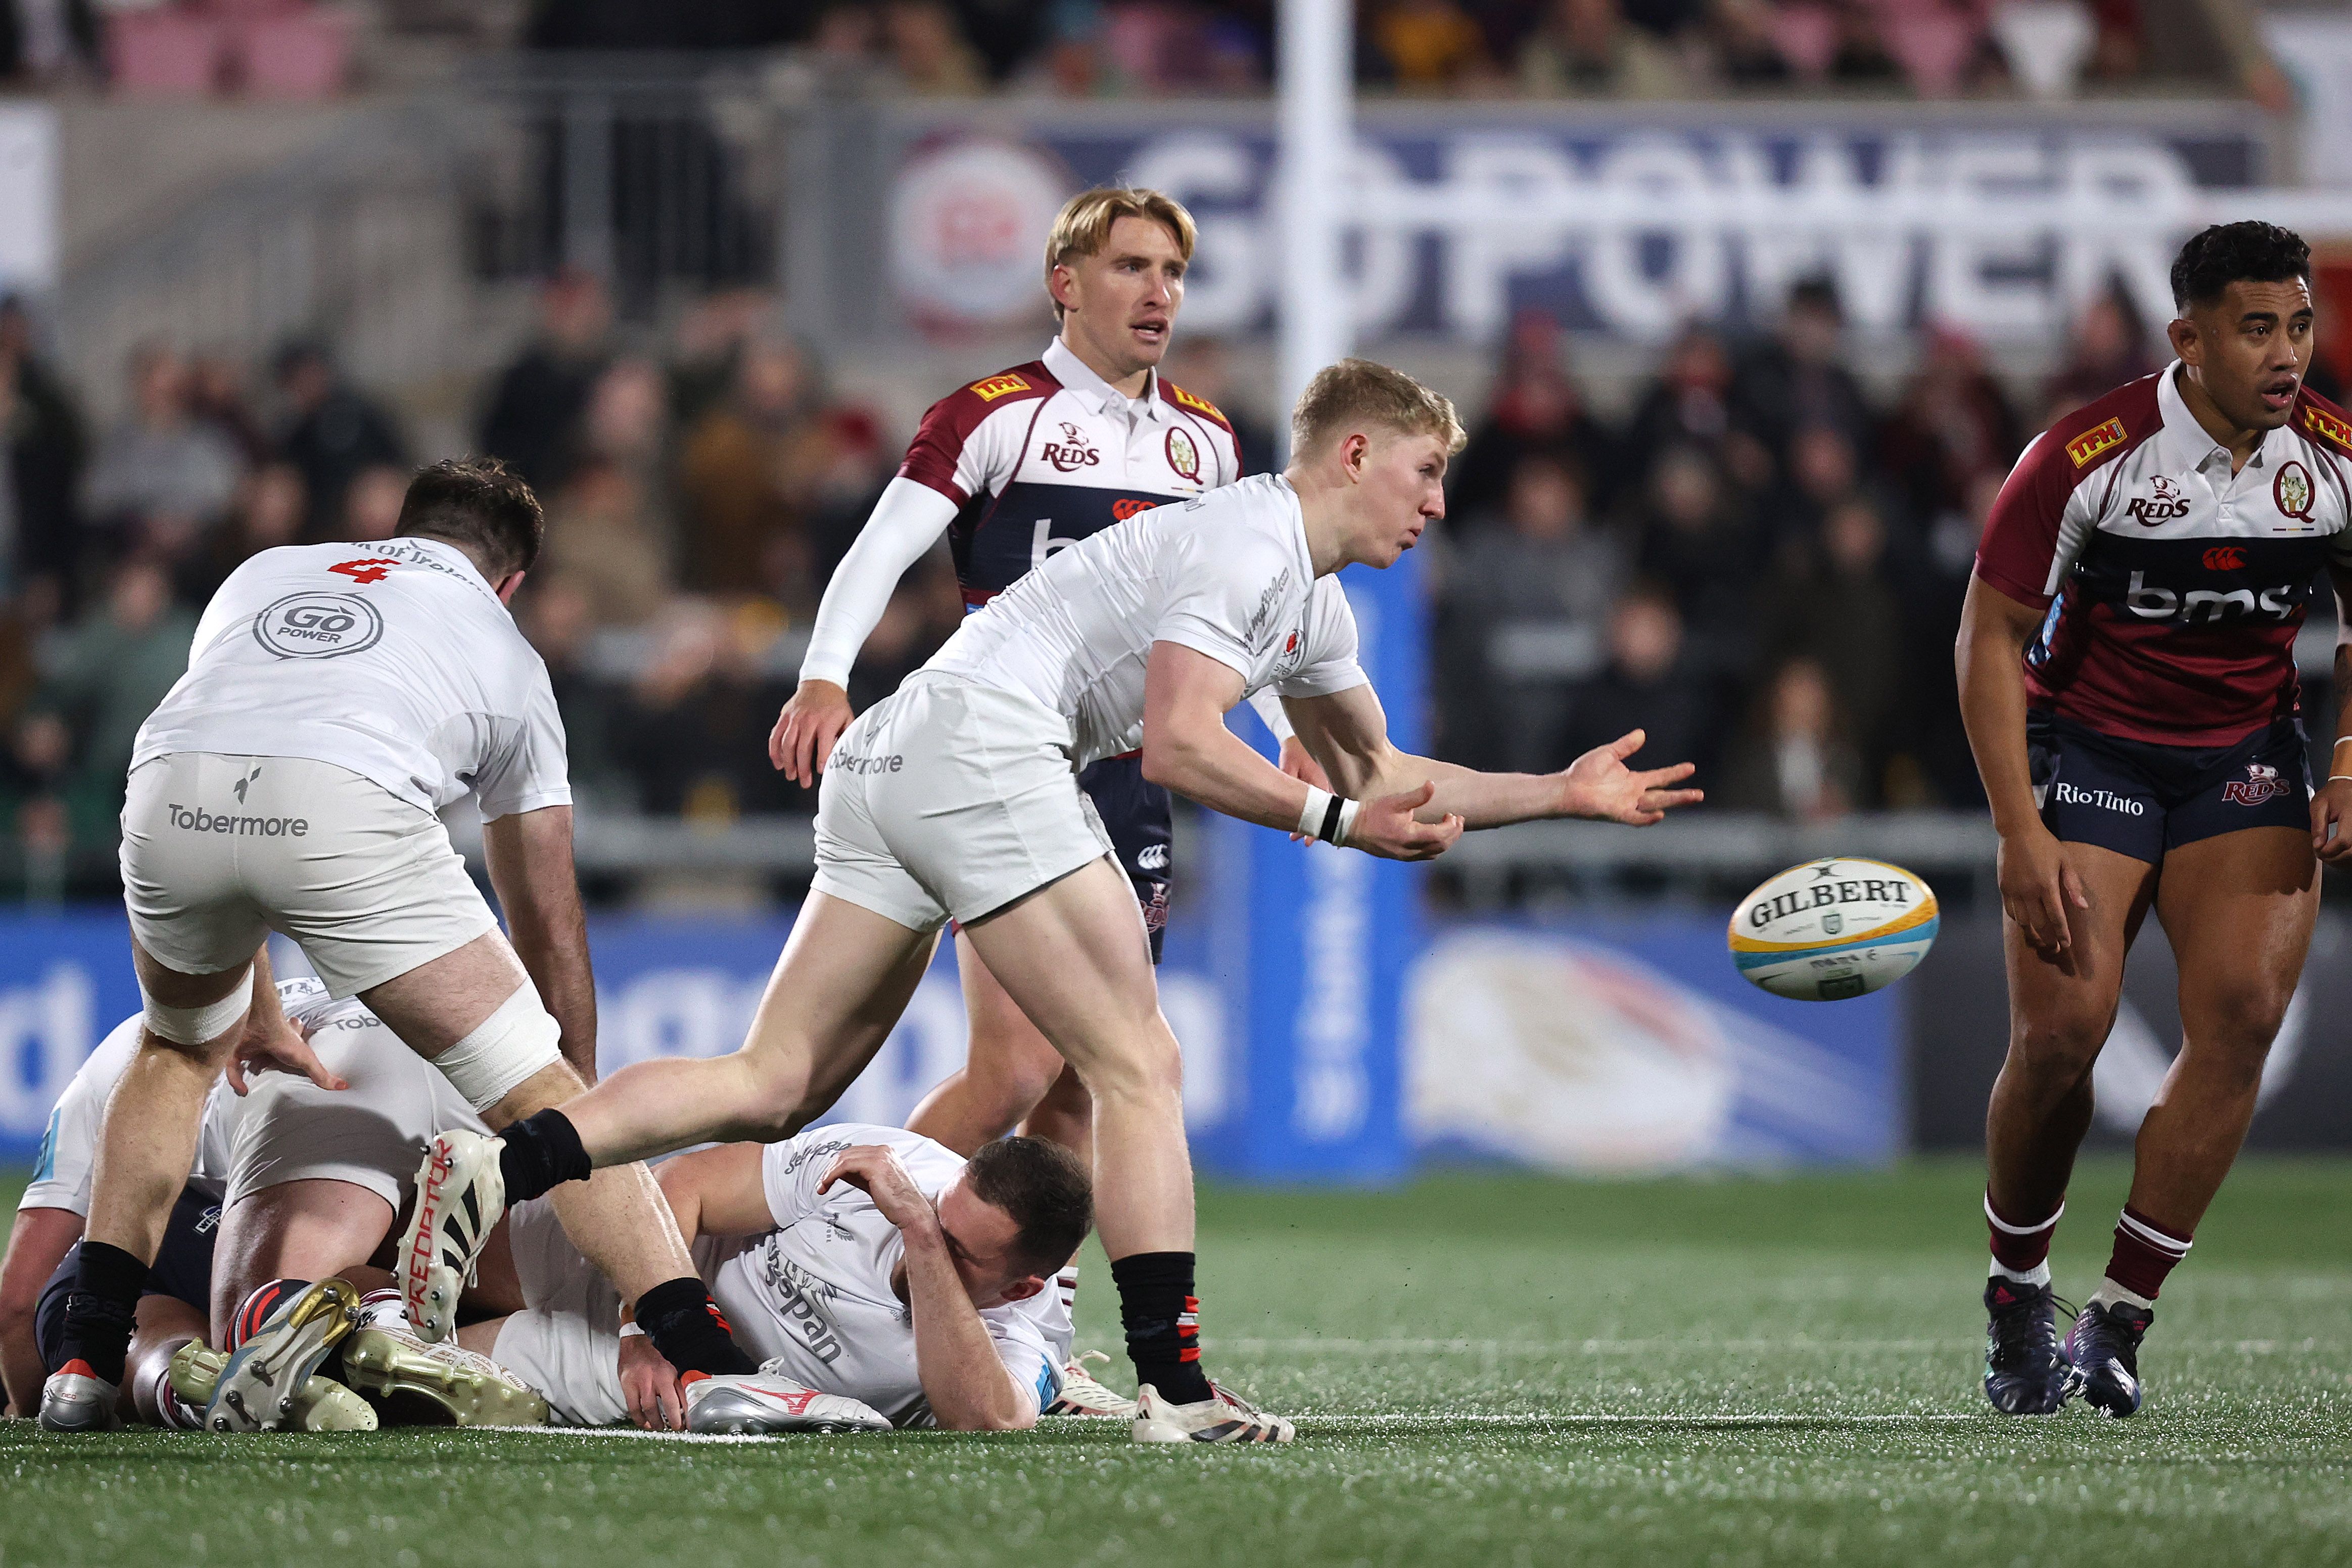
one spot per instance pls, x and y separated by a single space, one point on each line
949 801
371 1135
218 851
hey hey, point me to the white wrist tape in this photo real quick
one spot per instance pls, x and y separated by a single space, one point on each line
506 1047
633 1330
194 1026
1327 817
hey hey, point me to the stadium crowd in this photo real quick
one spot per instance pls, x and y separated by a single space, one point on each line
1761 565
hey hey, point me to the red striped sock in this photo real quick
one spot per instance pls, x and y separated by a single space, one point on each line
2145 1253
2020 1245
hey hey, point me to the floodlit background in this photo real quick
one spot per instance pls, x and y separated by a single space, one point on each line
1751 304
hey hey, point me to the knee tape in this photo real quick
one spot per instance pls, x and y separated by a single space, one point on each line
194 1026
510 1045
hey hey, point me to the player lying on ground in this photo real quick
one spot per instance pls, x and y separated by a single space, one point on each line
336 698
291 1179
2126 671
958 797
1012 469
883 1279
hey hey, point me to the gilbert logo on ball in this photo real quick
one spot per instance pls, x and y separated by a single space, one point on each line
1833 928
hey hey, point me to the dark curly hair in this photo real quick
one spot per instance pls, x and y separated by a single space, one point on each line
2249 251
479 505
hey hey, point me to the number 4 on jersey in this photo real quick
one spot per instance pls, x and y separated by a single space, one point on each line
367 570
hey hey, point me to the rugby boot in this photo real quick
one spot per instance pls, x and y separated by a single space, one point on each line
1082 1394
1223 1417
322 1405
76 1399
2104 1349
2025 1369
460 1195
260 1387
765 1401
388 1361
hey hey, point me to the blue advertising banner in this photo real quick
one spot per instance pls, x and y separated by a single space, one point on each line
1583 1046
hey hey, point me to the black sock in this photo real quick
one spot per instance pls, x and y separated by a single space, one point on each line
100 1308
685 1325
540 1151
1163 1336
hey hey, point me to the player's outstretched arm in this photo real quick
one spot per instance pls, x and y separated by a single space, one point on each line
906 522
1188 749
717 1192
964 1380
1347 732
529 858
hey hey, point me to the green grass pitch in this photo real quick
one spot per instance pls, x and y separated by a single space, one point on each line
1487 1369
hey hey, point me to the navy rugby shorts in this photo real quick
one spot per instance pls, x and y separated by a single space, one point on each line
183 1270
2141 799
1138 816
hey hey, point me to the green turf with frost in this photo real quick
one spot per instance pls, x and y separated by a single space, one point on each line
1485 1370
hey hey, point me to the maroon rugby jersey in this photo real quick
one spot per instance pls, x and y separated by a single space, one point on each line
2174 588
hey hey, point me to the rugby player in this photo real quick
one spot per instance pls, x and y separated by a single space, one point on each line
1012 469
336 698
956 798
886 1280
2126 672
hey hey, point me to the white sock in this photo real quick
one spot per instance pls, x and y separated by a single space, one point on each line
2037 1275
2111 1294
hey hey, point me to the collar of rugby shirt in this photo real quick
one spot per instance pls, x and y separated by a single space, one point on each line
1079 379
2189 444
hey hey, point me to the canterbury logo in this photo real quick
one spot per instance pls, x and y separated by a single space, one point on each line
995 387
2225 558
2092 442
2328 427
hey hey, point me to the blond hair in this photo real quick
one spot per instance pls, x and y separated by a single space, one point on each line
1084 224
1355 393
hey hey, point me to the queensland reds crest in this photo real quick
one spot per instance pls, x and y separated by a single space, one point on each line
1182 455
2292 491
2261 783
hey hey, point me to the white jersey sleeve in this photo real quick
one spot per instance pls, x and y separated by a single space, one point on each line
1225 584
790 1171
69 1157
527 765
906 523
1331 664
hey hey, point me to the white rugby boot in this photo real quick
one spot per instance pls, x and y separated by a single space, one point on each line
460 1195
1083 1394
764 1401
76 1399
322 1404
260 1387
385 1358
1223 1417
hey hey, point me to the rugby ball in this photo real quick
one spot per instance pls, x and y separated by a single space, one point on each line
1835 928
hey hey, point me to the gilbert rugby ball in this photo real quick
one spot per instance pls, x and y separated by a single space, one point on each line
1831 929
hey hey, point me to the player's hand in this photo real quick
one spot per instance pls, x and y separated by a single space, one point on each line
2331 822
1387 827
804 733
875 1170
2039 889
649 1384
1601 786
279 1048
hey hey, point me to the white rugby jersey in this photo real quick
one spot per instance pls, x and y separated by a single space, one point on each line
2174 588
815 1292
392 659
69 1156
1228 575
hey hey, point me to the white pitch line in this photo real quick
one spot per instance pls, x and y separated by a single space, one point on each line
1326 1423
1310 1345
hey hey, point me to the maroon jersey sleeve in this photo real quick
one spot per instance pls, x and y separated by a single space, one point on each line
937 456
2026 531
